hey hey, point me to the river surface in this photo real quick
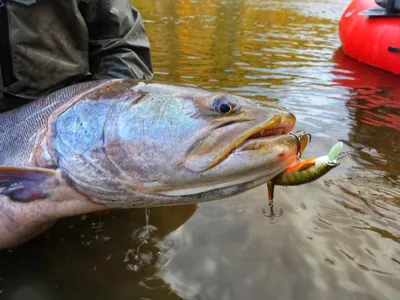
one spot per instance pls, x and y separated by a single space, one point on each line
338 237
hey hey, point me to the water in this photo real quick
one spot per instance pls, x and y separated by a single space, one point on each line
338 237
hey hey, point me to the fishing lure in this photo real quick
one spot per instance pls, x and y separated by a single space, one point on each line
305 171
310 169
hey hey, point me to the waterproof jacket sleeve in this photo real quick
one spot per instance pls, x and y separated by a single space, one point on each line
118 44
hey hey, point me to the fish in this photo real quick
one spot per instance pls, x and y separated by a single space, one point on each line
122 144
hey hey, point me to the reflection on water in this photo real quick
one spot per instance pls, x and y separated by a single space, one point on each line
373 101
99 256
339 236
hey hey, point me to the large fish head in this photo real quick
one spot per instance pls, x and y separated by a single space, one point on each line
162 145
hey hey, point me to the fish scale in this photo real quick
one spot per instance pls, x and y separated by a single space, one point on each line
19 127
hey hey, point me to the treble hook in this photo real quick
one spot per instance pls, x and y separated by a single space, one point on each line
299 139
309 136
271 187
272 214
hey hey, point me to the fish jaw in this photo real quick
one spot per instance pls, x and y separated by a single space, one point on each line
254 163
220 143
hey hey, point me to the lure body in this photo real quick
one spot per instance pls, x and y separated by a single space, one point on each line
311 169
306 171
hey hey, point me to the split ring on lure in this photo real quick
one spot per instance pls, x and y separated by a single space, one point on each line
304 171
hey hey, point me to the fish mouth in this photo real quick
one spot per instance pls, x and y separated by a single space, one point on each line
260 139
267 133
278 125
217 146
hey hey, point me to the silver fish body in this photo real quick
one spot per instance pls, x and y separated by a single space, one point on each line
124 144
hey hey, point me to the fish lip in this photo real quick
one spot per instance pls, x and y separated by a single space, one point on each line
265 133
278 125
255 144
207 153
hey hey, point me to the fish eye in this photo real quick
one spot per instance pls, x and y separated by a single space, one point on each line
225 108
223 105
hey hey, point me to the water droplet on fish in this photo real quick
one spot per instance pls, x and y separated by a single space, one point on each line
147 212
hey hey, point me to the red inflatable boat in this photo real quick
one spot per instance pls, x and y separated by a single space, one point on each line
371 35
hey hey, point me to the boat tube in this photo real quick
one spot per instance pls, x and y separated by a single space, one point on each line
370 32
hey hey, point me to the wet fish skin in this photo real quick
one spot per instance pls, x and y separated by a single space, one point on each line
123 144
